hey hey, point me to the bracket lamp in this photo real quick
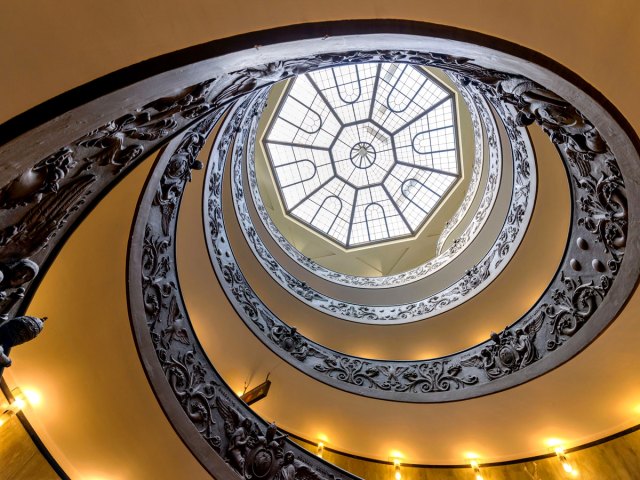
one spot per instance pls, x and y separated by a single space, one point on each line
396 467
10 409
476 470
562 457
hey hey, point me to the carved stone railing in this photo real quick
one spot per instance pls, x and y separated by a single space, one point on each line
470 98
243 443
491 265
39 207
42 205
524 349
478 110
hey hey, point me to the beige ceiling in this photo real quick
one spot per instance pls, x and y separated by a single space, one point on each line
99 417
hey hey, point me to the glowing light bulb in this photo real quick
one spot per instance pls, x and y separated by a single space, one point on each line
567 467
33 397
476 469
320 449
18 404
553 442
396 464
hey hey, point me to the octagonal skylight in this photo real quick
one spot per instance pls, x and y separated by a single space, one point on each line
364 153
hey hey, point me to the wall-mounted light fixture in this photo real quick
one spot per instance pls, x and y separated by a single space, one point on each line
396 468
20 401
565 463
476 470
320 449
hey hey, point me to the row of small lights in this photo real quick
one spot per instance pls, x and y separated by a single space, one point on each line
23 398
474 465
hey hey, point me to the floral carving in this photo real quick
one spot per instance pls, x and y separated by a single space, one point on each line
155 266
23 240
605 203
520 345
187 377
38 204
508 351
254 451
572 306
43 178
427 377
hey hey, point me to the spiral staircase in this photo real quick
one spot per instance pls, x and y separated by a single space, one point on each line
200 222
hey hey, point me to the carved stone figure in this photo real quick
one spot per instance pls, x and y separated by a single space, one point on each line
176 328
237 430
17 331
288 469
238 443
264 458
557 117
510 351
44 177
252 453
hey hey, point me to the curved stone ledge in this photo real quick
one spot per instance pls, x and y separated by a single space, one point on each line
527 348
223 433
505 246
478 109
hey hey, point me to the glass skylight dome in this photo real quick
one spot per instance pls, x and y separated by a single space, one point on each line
364 153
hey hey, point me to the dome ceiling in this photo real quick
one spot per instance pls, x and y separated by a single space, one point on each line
364 153
432 284
523 348
587 293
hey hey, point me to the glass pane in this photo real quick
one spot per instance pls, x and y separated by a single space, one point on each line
364 153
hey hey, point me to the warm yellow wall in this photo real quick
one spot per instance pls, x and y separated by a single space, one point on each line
49 47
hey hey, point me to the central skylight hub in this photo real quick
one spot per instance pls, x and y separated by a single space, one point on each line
364 153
